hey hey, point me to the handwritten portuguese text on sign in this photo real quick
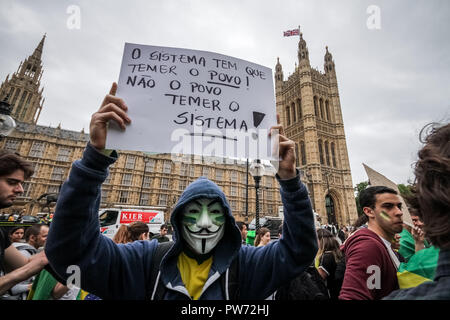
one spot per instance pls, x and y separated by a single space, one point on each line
194 102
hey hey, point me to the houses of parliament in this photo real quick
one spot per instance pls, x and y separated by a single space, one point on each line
307 102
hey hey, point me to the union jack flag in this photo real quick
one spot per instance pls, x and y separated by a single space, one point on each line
294 32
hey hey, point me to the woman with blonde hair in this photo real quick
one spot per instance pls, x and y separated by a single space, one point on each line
262 237
132 232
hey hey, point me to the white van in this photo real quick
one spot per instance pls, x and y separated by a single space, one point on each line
112 218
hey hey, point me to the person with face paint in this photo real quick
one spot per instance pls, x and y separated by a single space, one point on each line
371 261
206 256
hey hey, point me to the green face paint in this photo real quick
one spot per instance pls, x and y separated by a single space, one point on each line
385 216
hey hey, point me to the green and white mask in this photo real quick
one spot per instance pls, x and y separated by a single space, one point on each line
202 224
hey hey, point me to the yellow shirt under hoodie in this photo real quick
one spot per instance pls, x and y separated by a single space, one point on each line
193 275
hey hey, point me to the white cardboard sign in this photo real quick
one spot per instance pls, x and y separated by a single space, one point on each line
185 101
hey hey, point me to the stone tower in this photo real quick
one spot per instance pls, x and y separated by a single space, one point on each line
309 107
23 90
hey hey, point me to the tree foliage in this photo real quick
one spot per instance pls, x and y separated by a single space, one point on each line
405 190
360 187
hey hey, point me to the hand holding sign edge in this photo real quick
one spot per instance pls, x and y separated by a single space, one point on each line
286 166
112 108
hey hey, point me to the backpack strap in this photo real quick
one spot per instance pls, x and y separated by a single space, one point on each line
230 281
155 287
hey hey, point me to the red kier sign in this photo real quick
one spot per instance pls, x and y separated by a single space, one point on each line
132 216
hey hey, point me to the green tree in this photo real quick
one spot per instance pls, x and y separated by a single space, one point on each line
359 187
405 190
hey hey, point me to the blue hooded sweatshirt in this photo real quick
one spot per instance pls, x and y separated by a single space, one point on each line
122 271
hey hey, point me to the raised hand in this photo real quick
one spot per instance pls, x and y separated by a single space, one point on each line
112 108
286 166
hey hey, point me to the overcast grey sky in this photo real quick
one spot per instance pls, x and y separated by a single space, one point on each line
392 80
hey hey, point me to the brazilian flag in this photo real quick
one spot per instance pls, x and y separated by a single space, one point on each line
43 286
420 267
408 244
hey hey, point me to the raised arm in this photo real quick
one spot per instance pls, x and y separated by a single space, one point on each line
265 269
106 269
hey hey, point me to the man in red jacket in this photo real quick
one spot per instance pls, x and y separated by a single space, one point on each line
371 263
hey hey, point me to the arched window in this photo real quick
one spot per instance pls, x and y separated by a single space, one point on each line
321 108
303 152
316 108
329 205
297 159
320 152
299 109
294 116
288 116
327 153
327 109
333 154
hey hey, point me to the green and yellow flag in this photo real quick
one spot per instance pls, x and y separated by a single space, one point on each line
420 267
43 286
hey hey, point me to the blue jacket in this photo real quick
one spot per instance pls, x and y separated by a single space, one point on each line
113 271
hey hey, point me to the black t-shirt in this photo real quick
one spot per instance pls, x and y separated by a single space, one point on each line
328 264
4 243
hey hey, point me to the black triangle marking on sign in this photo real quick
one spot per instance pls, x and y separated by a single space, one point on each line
258 118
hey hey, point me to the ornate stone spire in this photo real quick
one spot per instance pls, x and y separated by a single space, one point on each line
24 87
329 63
278 71
37 54
303 54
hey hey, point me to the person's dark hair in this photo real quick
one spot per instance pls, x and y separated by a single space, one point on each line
328 243
432 184
240 225
412 202
14 229
163 226
362 219
367 197
34 230
11 161
131 232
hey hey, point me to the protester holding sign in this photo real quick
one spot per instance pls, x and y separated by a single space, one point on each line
206 261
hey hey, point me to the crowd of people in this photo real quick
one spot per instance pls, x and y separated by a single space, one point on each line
209 257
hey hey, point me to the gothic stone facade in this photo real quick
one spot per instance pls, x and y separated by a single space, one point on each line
309 107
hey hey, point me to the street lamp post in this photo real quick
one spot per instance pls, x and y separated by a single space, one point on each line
310 188
246 195
146 160
257 171
7 123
